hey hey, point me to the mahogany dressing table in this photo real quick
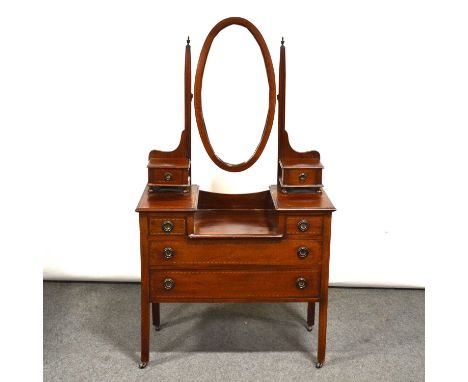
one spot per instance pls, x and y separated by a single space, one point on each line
270 246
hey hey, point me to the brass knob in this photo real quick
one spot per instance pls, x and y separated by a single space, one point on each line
167 226
301 283
168 283
168 253
302 176
302 252
167 176
303 225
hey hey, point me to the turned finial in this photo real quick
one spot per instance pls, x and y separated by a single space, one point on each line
188 40
282 40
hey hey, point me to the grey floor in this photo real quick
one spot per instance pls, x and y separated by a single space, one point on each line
91 333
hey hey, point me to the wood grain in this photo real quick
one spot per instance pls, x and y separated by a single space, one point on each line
228 252
219 285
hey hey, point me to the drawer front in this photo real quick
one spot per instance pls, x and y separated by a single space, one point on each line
169 176
298 253
304 225
166 226
212 285
302 177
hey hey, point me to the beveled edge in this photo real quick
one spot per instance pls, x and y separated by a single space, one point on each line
275 195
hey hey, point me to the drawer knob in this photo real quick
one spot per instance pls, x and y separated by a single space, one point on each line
168 253
302 252
167 176
302 176
168 284
167 226
303 225
301 283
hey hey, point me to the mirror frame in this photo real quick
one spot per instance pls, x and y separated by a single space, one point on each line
198 90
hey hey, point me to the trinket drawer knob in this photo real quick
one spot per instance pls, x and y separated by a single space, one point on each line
302 252
168 253
167 176
303 225
301 283
167 226
168 284
302 176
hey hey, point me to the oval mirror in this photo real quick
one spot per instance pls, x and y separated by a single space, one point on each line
233 108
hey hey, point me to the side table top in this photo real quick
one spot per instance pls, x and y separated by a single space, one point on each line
301 201
173 201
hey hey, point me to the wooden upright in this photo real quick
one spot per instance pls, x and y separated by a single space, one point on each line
269 246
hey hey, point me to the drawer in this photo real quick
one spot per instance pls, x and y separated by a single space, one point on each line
304 225
168 176
183 251
166 226
229 284
302 177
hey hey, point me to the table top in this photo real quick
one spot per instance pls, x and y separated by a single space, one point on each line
163 201
301 201
188 201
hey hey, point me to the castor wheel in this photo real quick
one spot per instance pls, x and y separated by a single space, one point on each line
309 328
157 328
142 365
318 365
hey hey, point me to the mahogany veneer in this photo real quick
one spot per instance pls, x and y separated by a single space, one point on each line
270 246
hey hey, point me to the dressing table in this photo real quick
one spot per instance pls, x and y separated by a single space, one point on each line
269 246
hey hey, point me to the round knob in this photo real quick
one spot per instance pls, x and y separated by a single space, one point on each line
301 283
302 176
168 253
303 225
167 176
302 252
167 226
168 284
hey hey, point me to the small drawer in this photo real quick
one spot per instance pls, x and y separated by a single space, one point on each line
168 176
303 177
175 285
166 226
212 253
304 225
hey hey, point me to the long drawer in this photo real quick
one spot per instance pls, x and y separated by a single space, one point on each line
176 285
185 252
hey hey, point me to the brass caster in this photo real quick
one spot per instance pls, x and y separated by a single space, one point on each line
309 328
142 365
157 328
318 365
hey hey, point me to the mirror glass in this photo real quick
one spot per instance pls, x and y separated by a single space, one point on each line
235 94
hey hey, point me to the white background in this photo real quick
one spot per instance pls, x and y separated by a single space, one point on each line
88 88
94 86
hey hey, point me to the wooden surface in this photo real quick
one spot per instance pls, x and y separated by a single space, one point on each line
300 163
288 158
269 246
298 201
235 248
252 285
156 226
228 252
178 177
164 201
292 177
235 224
169 162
